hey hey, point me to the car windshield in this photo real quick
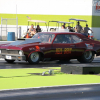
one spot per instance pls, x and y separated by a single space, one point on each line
44 38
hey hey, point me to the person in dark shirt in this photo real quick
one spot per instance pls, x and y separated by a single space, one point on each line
86 30
70 30
64 26
38 29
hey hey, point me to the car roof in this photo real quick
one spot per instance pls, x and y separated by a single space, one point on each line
60 33
71 33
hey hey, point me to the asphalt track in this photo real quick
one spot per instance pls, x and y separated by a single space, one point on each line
75 92
23 64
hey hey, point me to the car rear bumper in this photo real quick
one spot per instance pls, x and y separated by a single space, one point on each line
13 57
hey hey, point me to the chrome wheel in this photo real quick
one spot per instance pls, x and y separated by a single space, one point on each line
88 55
34 58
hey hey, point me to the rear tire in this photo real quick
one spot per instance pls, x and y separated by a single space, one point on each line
9 61
34 58
87 57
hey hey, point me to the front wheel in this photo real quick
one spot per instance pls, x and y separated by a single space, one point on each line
9 61
34 58
87 57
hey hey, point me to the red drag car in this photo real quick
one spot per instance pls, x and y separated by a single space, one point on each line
51 46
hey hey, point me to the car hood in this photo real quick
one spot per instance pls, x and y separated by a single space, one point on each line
24 41
20 43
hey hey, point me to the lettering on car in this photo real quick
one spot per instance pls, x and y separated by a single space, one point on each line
66 50
89 46
58 50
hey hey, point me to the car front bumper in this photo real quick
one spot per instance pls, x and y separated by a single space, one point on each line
13 57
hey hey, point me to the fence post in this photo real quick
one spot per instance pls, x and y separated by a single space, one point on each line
1 30
19 32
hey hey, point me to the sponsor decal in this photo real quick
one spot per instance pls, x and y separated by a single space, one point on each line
37 48
58 50
32 49
96 4
67 50
89 46
42 48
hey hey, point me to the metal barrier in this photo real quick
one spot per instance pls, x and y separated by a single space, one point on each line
13 24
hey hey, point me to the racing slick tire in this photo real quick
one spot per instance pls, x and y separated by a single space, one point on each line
9 61
87 57
34 58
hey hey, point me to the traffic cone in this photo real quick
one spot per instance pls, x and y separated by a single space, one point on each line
27 36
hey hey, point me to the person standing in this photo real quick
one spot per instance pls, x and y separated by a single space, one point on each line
32 30
70 30
38 29
78 27
62 27
86 30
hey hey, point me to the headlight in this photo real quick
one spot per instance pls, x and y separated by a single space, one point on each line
20 52
0 51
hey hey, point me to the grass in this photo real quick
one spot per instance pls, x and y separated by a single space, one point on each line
25 78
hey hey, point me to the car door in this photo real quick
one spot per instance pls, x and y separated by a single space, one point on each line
63 47
80 46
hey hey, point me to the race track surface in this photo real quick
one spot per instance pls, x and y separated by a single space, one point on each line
23 64
75 92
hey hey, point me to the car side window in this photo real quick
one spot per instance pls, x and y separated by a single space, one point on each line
63 38
76 39
68 38
59 39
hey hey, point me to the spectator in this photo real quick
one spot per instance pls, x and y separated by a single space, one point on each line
62 27
38 29
70 30
78 27
86 30
32 30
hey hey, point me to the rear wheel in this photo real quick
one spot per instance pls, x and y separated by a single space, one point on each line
34 58
87 57
9 61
